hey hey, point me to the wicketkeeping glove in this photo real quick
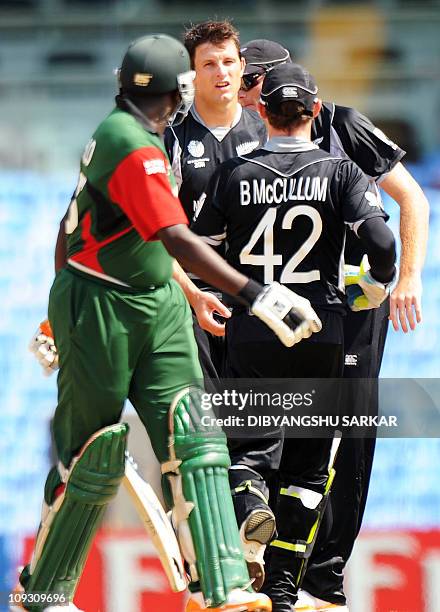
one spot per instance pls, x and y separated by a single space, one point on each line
289 316
44 349
362 290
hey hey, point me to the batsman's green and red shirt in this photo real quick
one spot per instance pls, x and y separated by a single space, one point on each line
125 195
122 326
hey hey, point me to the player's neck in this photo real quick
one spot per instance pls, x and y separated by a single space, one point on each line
302 132
216 116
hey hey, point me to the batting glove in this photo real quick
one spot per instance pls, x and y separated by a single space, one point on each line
43 347
362 290
289 316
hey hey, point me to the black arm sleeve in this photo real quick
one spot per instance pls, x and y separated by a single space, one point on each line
380 247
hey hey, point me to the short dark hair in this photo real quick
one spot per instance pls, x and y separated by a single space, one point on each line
214 32
289 115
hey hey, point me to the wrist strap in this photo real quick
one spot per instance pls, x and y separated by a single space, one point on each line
249 293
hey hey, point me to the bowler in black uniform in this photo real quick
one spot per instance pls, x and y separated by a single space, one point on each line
215 129
283 212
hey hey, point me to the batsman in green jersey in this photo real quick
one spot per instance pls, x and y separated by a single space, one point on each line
123 329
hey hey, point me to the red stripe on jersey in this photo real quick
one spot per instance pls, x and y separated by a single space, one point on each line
88 256
141 187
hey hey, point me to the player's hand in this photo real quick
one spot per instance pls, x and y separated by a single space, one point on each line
362 290
406 303
289 316
205 306
43 346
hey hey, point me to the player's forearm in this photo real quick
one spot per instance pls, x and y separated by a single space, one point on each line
380 247
60 248
414 219
413 235
190 290
198 257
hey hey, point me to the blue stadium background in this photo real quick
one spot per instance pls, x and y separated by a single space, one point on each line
404 490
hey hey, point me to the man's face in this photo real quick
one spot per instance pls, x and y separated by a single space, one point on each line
249 94
218 72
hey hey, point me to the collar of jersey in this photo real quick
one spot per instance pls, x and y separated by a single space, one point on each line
218 132
289 144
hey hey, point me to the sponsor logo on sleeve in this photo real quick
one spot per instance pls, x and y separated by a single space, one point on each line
155 166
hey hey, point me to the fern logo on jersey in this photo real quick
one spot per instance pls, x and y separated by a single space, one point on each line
247 147
196 148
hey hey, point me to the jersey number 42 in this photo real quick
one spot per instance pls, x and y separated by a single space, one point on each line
269 259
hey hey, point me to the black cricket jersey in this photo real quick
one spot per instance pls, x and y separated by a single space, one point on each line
282 212
195 151
345 132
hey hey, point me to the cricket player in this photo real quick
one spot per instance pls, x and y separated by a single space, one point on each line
344 131
123 330
215 129
283 212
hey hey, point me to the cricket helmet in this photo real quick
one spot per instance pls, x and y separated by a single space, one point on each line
151 65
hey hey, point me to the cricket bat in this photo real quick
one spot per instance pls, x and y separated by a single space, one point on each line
157 524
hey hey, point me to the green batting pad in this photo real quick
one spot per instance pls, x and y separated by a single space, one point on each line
93 482
200 445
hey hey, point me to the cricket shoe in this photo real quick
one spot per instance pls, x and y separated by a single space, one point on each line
238 601
256 531
308 603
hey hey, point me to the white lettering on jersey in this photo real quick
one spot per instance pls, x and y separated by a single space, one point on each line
196 148
247 147
284 190
198 163
155 166
245 193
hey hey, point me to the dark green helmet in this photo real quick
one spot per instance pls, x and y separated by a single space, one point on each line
152 65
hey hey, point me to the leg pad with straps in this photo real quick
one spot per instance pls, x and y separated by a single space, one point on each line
202 505
69 524
299 514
